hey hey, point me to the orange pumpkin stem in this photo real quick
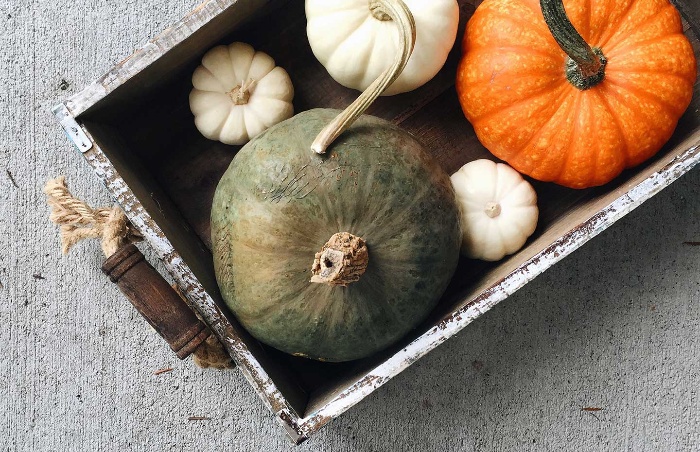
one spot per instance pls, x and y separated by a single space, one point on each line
585 65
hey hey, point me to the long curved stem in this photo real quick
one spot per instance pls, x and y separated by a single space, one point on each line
586 65
402 17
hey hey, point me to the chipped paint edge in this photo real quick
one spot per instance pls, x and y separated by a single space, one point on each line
456 321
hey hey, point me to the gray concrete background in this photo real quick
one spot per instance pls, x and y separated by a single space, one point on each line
614 326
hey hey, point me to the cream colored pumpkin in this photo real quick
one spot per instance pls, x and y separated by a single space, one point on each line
239 93
499 209
355 42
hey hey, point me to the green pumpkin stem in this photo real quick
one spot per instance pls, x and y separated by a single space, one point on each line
399 14
341 261
585 65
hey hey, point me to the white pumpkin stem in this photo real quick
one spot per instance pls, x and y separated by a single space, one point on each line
402 17
492 209
240 94
377 11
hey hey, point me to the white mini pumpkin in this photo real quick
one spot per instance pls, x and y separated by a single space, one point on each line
355 42
239 93
499 209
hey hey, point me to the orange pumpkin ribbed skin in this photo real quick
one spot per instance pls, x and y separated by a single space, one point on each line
513 88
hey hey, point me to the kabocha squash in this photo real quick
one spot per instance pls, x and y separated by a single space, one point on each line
238 93
335 253
499 209
559 110
354 40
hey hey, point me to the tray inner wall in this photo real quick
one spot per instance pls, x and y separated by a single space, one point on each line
148 132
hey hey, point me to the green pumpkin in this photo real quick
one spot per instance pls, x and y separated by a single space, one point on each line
278 204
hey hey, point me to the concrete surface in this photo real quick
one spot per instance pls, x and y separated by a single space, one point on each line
615 326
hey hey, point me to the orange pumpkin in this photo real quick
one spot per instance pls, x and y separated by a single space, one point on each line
576 120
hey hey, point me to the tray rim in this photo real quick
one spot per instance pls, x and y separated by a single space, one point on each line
301 428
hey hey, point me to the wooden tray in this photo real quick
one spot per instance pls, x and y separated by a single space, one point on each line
135 129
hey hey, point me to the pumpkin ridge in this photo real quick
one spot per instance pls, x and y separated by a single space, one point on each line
262 80
522 23
266 312
572 136
512 207
650 96
376 228
257 115
494 229
340 48
621 45
258 248
469 200
504 233
377 284
534 8
360 20
553 54
494 194
545 90
248 63
215 78
596 35
254 116
596 155
245 126
589 20
397 216
217 131
612 28
510 192
474 213
328 210
621 38
691 80
560 104
536 134
603 100
207 63
317 304
380 301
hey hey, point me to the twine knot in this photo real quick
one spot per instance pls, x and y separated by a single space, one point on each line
78 221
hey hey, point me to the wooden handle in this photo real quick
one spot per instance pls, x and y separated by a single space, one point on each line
156 300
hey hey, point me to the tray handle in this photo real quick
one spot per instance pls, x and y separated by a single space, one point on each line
156 300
